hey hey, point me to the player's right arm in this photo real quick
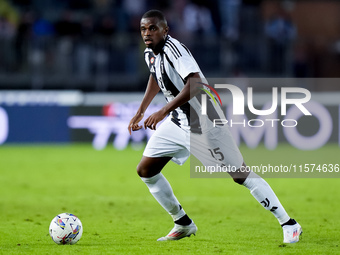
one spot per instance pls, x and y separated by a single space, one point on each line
151 91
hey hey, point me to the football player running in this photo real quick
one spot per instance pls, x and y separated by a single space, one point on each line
173 70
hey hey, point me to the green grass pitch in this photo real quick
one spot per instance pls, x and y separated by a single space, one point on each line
120 216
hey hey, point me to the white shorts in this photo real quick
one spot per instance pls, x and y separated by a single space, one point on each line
169 140
216 146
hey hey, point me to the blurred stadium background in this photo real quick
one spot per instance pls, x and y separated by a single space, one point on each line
63 59
73 71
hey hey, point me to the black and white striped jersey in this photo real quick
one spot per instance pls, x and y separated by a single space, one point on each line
170 68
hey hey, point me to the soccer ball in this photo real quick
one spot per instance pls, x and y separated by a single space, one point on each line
66 228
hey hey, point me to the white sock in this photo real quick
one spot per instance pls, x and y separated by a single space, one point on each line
263 193
161 190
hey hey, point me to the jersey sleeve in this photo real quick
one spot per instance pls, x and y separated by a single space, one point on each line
181 58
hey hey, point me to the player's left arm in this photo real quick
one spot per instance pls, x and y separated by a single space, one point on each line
190 89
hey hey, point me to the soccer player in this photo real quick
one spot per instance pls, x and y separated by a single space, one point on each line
172 70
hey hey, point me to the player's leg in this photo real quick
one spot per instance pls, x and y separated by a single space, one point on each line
223 149
264 194
168 142
149 169
239 176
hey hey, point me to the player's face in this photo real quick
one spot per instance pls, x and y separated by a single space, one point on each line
153 32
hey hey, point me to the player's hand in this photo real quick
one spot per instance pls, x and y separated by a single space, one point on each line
153 119
133 125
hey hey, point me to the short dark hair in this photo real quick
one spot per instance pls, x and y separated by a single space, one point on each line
155 14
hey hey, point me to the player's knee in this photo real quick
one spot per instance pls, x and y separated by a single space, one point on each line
241 174
143 171
239 180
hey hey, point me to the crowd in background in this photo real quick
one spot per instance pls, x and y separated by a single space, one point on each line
95 44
